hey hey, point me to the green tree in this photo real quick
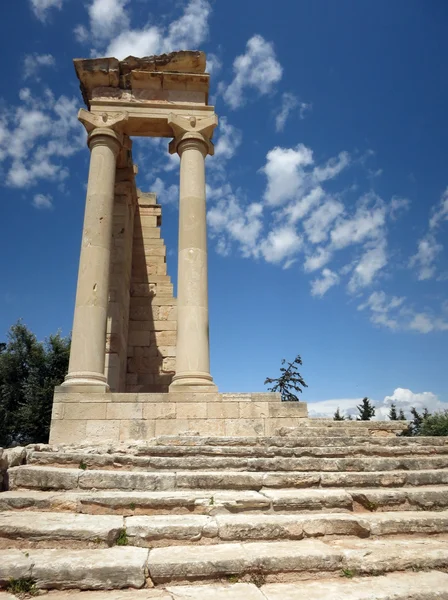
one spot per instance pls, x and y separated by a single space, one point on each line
393 413
29 371
401 415
435 424
289 381
366 410
337 416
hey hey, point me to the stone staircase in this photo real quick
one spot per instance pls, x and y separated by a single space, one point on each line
325 511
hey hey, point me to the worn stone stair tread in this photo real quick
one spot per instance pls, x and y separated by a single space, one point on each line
182 563
143 455
111 568
432 585
47 478
249 463
145 530
40 526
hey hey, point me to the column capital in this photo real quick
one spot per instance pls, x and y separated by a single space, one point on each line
104 124
193 130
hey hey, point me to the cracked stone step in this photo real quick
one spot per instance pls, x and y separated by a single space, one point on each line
395 586
249 463
215 501
131 502
150 530
195 563
141 457
111 568
44 526
54 478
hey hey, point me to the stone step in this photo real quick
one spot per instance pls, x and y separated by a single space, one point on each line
46 528
214 463
55 478
111 568
232 455
233 501
297 558
127 567
432 585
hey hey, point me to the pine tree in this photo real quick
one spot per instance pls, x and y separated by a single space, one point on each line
366 410
337 416
393 413
401 415
290 380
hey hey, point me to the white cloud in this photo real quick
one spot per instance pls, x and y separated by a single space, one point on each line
398 205
318 224
319 287
305 107
371 262
165 194
427 252
403 399
367 223
35 135
258 69
381 307
228 140
42 201
425 323
33 62
189 31
214 64
107 17
280 244
42 7
317 260
289 103
440 212
332 167
284 170
301 207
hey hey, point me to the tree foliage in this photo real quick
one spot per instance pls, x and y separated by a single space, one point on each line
366 410
435 424
289 381
29 371
393 416
337 416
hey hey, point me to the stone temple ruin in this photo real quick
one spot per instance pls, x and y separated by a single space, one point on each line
155 486
139 362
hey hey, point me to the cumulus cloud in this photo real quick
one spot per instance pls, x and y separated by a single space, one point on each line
403 399
367 223
32 64
317 260
41 8
320 286
227 142
110 30
318 224
371 262
284 170
35 137
281 243
165 194
257 69
42 201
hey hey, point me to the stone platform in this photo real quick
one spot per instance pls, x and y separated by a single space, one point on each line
98 417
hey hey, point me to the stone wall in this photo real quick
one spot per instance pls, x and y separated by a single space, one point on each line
151 348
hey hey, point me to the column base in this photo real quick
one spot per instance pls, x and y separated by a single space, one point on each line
86 379
193 382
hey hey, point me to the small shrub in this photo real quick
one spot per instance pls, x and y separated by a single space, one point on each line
348 573
83 465
233 578
22 587
132 506
122 539
212 501
258 579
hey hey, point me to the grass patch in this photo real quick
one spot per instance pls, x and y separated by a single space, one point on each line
122 539
233 579
22 587
348 573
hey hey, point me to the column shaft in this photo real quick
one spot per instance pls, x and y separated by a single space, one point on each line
192 353
87 355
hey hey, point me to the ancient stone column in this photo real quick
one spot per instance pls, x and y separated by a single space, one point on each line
87 354
192 143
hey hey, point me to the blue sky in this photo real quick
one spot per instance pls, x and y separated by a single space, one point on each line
327 196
